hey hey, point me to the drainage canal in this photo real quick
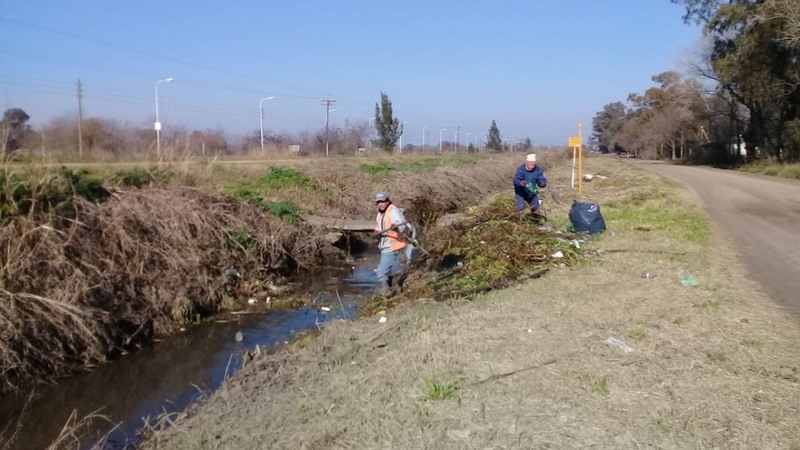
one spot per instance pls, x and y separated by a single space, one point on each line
168 376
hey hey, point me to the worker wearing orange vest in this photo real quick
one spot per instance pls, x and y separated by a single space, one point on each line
391 226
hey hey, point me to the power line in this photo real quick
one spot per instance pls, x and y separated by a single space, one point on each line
153 55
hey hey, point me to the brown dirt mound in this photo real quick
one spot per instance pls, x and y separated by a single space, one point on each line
75 291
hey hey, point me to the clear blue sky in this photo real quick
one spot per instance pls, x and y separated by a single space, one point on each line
537 67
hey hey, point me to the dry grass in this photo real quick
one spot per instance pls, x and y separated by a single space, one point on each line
76 433
714 366
139 265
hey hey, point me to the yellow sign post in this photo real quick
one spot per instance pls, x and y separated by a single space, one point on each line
576 142
580 158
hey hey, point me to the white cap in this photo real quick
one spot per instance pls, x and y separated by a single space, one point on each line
531 157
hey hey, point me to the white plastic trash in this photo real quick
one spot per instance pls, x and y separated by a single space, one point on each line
325 308
558 254
382 319
619 344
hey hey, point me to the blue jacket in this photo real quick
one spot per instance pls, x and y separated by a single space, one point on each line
535 176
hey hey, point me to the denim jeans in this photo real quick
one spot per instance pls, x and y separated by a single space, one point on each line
522 202
389 264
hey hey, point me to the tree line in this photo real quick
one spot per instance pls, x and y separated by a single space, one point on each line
742 101
103 138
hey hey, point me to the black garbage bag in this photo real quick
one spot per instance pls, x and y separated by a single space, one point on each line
586 217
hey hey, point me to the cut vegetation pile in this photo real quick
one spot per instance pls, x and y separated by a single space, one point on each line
490 248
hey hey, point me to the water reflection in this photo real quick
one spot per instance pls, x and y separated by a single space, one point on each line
168 376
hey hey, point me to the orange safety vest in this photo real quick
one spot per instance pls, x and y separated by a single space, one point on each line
395 240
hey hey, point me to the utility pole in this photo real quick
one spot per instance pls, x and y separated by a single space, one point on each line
327 102
80 119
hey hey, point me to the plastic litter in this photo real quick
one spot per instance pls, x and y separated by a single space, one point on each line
558 254
239 336
252 301
586 217
648 275
619 344
690 281
383 319
325 308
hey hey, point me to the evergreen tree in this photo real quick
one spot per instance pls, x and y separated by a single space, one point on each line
389 128
493 139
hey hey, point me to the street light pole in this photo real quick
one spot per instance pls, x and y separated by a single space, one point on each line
423 136
455 137
158 122
261 123
440 139
466 140
402 130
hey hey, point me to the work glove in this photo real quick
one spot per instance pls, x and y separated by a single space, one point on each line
376 232
523 183
542 184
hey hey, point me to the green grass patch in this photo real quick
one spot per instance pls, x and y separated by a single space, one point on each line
685 224
752 343
597 384
600 385
636 332
717 356
380 168
440 390
136 177
279 178
52 192
286 210
772 168
420 165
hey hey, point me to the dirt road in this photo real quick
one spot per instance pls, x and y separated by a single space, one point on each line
761 214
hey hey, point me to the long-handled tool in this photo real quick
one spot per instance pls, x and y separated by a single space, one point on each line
408 238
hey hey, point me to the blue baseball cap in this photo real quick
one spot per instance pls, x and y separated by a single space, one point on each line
381 197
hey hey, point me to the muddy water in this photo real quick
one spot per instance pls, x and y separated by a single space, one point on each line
168 376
